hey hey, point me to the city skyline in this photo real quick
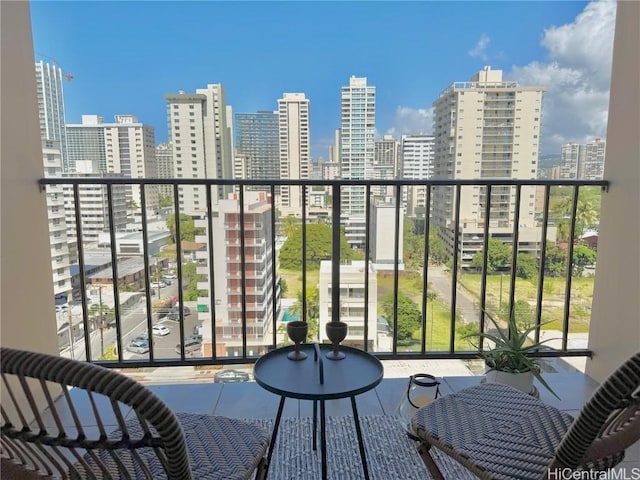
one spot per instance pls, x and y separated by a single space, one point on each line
261 50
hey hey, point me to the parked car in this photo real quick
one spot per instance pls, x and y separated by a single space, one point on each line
143 337
197 338
175 313
138 346
160 330
171 276
230 376
158 284
190 346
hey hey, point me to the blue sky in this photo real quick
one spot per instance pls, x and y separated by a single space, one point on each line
125 56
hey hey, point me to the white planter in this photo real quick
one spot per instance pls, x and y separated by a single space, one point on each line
521 381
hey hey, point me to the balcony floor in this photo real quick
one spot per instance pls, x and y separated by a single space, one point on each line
188 391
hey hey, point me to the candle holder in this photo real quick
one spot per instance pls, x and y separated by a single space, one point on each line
297 332
336 332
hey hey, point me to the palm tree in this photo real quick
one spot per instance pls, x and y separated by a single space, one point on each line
289 225
586 215
313 311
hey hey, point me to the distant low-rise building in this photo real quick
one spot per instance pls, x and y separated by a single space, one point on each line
352 284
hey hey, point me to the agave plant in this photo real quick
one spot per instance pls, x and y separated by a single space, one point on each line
509 353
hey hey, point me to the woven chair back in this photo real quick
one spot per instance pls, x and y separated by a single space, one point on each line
58 437
607 425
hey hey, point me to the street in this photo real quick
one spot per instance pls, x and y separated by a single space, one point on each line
441 283
133 322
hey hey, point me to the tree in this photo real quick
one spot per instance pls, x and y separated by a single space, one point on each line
289 225
188 230
526 266
318 244
408 316
165 201
555 260
413 245
498 256
437 249
313 311
284 288
102 316
582 256
587 214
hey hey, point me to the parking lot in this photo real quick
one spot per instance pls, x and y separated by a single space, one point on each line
164 346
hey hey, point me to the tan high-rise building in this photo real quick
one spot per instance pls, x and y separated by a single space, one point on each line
486 128
164 167
295 160
201 142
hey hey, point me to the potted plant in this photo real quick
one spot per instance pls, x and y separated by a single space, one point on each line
508 362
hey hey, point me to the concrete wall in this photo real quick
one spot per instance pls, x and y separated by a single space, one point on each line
615 322
27 312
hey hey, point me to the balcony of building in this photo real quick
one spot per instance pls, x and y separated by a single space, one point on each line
188 383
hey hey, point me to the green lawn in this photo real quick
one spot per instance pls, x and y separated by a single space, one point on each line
294 280
553 297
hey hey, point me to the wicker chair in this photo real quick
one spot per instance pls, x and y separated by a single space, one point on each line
150 442
498 432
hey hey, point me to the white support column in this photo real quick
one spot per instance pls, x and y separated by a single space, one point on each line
27 312
614 334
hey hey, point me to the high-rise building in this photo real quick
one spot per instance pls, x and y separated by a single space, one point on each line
334 150
201 142
385 165
570 160
257 139
164 167
486 128
229 270
357 151
417 152
51 107
594 155
94 208
125 147
295 159
583 161
52 135
382 246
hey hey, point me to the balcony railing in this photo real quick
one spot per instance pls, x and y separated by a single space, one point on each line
117 323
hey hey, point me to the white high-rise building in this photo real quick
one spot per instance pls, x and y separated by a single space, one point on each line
570 160
594 155
52 135
357 151
125 147
94 208
385 165
51 107
295 160
583 161
201 141
417 153
486 128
